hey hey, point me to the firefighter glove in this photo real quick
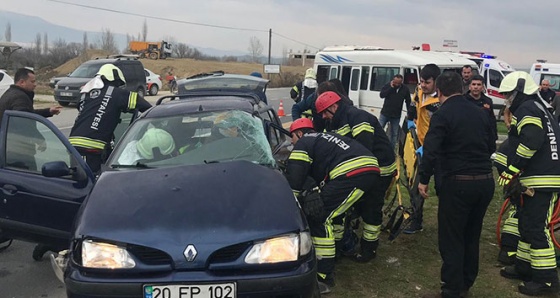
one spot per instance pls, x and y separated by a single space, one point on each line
507 175
420 151
514 190
410 124
312 205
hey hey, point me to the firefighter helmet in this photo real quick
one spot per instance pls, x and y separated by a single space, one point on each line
112 73
301 123
310 74
325 100
519 81
155 138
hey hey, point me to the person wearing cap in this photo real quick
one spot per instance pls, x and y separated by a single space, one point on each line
534 161
99 110
303 89
457 148
154 140
364 127
351 172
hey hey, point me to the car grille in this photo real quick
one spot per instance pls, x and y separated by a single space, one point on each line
149 256
230 253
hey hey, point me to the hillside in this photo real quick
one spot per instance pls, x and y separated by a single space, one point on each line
183 68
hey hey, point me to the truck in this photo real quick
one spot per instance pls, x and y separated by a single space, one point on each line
149 49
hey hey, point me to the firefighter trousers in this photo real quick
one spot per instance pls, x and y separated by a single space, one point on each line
462 206
338 196
535 252
510 232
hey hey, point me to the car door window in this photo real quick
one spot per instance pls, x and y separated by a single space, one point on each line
272 133
30 144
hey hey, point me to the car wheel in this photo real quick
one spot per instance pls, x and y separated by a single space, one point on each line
63 103
154 56
141 91
154 89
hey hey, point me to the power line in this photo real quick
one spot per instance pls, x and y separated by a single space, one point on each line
182 22
158 18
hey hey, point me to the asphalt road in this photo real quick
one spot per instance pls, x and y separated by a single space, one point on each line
20 275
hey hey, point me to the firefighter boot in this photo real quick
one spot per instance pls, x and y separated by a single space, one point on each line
367 251
506 257
533 288
510 273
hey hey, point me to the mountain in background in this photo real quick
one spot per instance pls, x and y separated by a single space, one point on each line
25 28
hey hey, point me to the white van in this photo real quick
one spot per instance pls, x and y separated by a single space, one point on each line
547 71
364 70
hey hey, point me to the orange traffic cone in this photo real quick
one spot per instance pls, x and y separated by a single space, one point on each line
281 110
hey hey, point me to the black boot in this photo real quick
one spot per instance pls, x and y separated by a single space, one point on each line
367 251
506 258
39 251
532 288
510 273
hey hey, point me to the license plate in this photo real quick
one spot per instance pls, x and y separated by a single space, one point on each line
65 93
226 290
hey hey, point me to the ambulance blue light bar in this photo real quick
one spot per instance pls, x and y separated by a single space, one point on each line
486 56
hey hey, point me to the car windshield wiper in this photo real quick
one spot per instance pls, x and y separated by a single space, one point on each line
211 161
138 165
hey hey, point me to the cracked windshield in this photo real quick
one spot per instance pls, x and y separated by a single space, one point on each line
207 137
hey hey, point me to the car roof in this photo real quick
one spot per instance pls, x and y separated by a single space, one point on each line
196 105
221 74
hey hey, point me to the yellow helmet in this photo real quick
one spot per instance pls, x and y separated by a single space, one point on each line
112 73
310 74
519 81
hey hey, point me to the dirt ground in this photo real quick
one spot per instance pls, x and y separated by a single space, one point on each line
181 68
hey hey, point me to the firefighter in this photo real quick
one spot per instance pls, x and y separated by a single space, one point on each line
510 232
534 161
101 104
364 127
345 171
303 89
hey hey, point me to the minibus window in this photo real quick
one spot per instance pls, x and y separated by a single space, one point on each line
355 79
381 76
365 78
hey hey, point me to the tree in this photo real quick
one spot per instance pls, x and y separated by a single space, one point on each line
38 44
145 30
255 48
180 50
84 43
8 32
45 43
108 42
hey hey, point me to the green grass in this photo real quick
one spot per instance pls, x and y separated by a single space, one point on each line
410 265
502 129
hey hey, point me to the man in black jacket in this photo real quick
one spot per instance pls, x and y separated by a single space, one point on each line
394 94
459 139
546 93
477 96
19 97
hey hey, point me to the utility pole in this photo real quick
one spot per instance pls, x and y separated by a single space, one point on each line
269 48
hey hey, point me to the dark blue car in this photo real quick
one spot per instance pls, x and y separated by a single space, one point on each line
191 203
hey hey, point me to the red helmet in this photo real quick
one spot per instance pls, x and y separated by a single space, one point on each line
326 100
301 123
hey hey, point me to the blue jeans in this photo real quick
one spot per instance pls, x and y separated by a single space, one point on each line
394 127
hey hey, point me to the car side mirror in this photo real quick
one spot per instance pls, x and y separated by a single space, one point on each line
56 169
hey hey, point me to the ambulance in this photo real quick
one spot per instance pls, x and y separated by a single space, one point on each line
547 71
364 70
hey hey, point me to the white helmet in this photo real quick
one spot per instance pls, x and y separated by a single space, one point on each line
112 73
519 81
155 138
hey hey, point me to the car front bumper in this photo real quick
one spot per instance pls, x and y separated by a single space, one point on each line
298 282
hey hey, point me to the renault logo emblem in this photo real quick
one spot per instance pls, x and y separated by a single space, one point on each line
190 253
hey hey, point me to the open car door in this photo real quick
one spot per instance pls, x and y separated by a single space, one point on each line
43 180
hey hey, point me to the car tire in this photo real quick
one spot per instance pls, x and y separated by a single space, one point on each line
141 91
63 103
154 89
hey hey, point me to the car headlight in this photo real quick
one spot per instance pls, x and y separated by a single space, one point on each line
105 255
280 249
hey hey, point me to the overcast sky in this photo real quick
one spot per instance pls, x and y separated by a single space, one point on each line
518 32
